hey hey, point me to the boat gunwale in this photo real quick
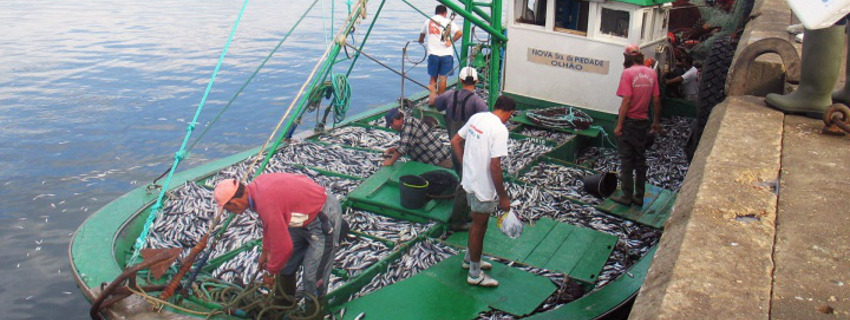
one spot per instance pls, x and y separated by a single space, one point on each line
209 169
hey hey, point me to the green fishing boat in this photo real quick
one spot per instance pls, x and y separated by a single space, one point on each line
580 256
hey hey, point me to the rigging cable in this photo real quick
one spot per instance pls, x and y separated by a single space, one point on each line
244 85
181 153
340 39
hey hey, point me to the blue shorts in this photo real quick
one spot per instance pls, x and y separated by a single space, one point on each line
440 65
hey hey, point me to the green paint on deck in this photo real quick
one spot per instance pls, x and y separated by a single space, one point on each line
441 292
380 194
593 305
579 252
657 206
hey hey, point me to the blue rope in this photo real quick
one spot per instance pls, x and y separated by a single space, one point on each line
181 153
605 136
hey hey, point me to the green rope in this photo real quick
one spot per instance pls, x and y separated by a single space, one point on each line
181 153
342 97
251 78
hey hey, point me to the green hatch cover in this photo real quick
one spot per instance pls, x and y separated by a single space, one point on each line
579 252
657 206
380 194
441 293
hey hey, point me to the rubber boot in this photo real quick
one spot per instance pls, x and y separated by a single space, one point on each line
843 95
821 61
285 290
627 186
640 187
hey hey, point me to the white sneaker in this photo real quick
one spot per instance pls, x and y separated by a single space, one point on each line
483 280
484 265
799 38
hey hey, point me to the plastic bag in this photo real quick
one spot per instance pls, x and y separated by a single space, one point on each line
510 225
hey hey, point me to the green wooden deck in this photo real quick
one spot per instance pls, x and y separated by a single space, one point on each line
657 206
441 292
578 252
380 194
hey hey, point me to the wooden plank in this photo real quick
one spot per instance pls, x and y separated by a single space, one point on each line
571 250
590 264
547 248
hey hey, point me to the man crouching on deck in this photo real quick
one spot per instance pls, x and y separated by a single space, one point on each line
301 225
479 146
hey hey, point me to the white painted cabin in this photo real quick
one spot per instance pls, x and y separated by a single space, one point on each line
571 52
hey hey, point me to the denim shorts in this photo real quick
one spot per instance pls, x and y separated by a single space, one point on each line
479 206
440 65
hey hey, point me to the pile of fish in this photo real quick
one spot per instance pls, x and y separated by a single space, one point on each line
666 161
332 158
384 227
556 136
545 191
356 254
418 257
361 137
521 153
337 185
562 179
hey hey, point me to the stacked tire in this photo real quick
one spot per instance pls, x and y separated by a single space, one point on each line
712 87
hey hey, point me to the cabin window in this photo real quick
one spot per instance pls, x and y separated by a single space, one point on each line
646 33
530 12
571 16
615 23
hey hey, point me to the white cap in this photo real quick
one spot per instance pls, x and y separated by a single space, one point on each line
467 72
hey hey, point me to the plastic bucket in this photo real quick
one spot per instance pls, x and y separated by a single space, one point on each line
441 183
602 184
413 190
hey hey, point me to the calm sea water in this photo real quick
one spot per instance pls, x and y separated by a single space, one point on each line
95 96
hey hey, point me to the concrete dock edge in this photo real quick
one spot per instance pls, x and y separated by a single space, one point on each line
715 258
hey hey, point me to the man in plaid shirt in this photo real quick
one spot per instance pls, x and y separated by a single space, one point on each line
418 141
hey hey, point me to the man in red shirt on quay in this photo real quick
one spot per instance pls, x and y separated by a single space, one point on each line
301 226
638 85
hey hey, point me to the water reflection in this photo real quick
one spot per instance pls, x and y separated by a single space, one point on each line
95 96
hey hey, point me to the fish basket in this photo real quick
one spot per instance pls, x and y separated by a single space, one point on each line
561 118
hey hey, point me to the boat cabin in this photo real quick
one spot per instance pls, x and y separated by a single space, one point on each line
570 52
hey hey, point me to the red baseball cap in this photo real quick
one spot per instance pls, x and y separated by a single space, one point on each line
224 192
632 50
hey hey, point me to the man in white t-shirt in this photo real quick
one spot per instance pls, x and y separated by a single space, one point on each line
479 146
689 80
440 51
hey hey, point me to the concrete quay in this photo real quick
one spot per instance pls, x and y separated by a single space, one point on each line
760 227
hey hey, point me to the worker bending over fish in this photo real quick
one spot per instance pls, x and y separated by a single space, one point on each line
479 146
417 140
301 224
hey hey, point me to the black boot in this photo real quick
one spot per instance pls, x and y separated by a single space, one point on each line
627 187
285 287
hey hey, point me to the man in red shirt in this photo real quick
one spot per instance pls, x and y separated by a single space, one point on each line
638 85
301 225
